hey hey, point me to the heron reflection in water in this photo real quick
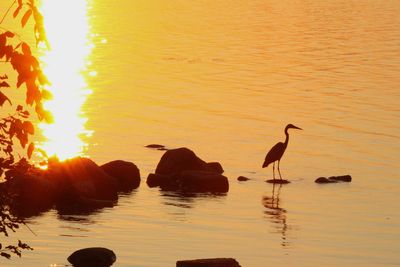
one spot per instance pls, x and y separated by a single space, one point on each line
276 152
276 214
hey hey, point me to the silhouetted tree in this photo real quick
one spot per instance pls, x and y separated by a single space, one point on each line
15 126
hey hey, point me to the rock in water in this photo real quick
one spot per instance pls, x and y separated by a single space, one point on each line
324 180
92 257
243 178
215 167
30 194
201 181
278 181
156 146
126 173
174 161
81 177
181 169
342 178
217 262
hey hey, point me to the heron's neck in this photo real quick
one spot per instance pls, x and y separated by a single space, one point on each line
287 137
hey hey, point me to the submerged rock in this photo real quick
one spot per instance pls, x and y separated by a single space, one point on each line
278 181
333 179
181 169
216 262
203 181
29 194
81 177
157 146
126 174
342 178
174 161
324 180
93 257
243 178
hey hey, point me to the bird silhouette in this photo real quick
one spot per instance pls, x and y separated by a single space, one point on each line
276 152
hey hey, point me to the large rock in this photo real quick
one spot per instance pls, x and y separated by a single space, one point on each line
93 257
29 195
217 262
81 177
203 181
180 169
175 161
126 173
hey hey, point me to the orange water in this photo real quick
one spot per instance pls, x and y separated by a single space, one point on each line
224 78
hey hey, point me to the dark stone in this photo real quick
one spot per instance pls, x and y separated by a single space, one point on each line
126 173
217 262
278 181
180 169
174 161
93 257
242 178
30 194
154 180
81 177
201 181
155 146
342 178
215 167
324 180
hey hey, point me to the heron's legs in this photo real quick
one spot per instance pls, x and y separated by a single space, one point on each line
279 170
273 170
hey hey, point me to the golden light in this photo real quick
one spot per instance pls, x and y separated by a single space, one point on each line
68 33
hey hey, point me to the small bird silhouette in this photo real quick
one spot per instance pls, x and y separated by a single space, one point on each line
276 152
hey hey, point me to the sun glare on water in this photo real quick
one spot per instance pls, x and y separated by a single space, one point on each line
67 30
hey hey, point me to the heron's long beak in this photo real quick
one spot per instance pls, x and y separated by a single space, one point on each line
295 127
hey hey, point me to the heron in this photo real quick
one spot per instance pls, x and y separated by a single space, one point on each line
276 152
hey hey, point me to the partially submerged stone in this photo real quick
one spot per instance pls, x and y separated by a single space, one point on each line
126 173
278 181
333 179
30 194
324 180
242 178
203 181
216 262
83 178
181 169
93 257
156 146
341 178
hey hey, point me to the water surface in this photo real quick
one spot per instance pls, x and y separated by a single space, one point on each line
224 78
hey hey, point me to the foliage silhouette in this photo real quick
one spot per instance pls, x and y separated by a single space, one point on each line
16 127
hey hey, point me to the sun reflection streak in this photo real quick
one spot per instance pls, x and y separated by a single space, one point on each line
68 32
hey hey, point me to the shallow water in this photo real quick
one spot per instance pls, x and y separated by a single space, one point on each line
224 78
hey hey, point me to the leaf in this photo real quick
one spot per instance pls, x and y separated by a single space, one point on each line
4 84
9 34
28 127
16 12
4 98
23 139
26 49
25 18
46 95
31 147
8 50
